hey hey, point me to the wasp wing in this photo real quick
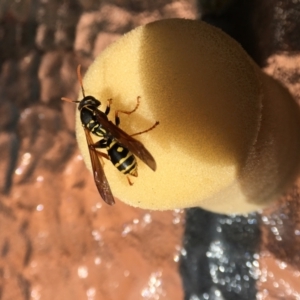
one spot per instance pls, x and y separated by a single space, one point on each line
136 147
99 175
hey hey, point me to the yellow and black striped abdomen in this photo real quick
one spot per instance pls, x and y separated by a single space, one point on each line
121 158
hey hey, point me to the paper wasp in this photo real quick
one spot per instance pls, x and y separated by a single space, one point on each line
121 148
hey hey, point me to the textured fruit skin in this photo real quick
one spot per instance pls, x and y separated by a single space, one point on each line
207 95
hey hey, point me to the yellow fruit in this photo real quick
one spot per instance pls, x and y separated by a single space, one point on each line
208 96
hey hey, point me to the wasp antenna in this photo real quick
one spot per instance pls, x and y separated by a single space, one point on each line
69 100
80 79
66 99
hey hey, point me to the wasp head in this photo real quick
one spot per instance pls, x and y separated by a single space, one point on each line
89 101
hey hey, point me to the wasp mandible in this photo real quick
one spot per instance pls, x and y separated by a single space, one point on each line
121 147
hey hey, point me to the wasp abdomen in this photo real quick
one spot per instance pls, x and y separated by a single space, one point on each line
122 158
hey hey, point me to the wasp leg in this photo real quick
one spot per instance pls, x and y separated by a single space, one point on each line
100 144
117 118
101 154
149 129
129 181
107 110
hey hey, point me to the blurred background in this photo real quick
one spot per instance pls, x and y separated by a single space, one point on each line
58 240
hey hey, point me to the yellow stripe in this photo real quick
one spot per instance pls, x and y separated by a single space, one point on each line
124 171
111 144
122 160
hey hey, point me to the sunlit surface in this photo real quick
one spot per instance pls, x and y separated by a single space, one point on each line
58 239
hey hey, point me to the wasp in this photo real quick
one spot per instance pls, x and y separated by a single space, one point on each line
121 147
